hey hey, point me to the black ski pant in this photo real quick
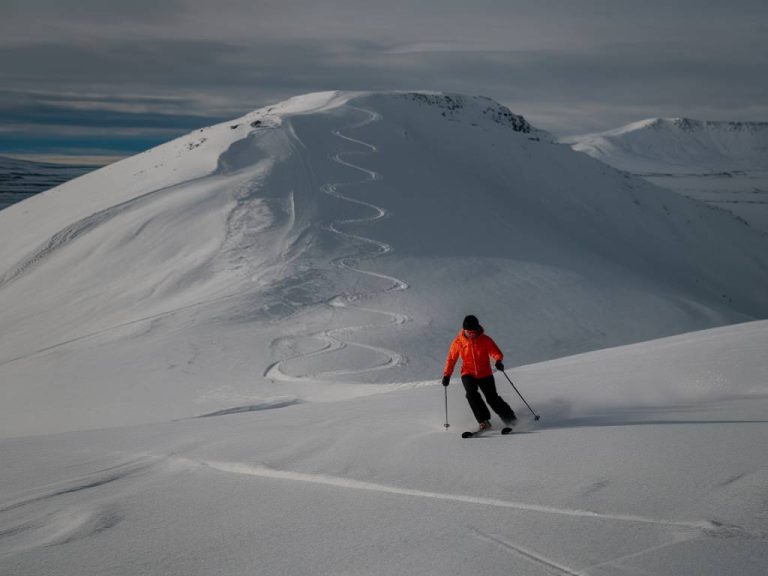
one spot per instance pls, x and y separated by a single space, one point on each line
488 385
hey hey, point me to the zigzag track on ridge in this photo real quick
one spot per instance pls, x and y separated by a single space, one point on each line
330 342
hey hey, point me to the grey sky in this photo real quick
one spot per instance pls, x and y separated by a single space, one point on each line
151 70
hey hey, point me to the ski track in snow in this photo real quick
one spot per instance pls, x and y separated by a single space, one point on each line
346 483
550 564
331 342
535 558
72 520
682 531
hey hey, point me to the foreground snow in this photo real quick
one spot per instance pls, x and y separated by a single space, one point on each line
648 459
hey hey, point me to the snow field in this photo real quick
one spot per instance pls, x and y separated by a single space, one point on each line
375 483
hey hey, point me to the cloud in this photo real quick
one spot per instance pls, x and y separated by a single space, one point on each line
94 124
567 66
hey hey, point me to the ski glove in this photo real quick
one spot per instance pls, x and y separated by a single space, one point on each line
446 380
499 365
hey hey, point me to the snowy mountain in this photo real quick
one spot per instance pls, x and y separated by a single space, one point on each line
724 164
222 356
339 238
20 179
680 146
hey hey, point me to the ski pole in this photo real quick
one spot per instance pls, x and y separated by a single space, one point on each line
535 416
446 408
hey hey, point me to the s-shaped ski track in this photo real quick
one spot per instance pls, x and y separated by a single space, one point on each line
331 342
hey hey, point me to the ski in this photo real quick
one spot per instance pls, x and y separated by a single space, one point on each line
469 434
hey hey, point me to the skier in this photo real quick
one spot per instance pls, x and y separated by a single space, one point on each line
475 348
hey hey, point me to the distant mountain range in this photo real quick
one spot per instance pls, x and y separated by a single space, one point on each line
20 179
679 146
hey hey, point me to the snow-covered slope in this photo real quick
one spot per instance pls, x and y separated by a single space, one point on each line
20 179
648 459
329 246
724 164
680 146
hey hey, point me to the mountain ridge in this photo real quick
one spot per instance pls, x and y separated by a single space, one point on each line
679 145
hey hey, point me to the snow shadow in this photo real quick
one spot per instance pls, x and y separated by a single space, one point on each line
269 405
560 414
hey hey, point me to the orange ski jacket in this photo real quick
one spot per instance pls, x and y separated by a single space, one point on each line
475 353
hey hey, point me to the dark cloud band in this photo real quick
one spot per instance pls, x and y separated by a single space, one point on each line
601 63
